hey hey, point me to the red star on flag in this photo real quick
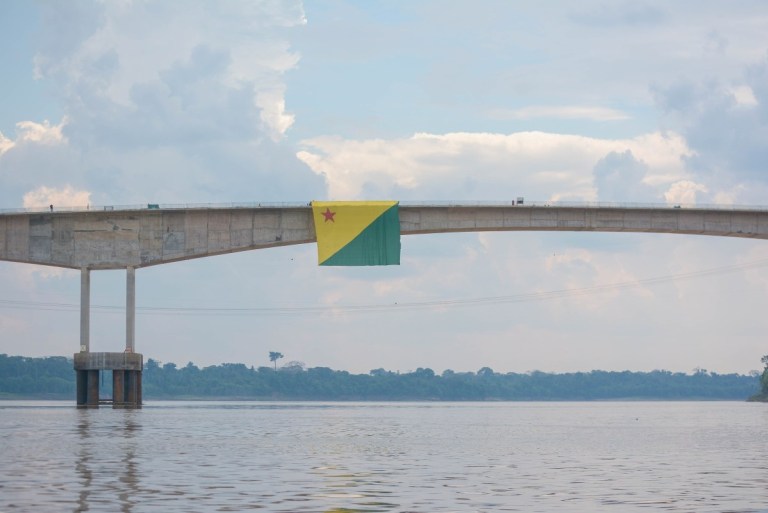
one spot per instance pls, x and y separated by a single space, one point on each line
328 215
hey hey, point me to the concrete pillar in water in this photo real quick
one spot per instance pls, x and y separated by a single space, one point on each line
130 387
118 388
92 394
139 399
130 310
126 378
82 388
87 384
126 367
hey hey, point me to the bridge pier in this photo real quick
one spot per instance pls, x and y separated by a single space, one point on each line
126 367
126 379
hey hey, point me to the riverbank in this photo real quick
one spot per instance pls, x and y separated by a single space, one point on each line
53 378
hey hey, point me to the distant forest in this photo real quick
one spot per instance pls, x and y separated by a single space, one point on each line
54 378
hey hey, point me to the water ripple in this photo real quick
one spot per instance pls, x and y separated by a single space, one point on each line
400 457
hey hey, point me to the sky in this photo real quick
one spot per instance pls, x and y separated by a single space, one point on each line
186 102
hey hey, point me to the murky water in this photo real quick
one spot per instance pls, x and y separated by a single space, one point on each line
405 457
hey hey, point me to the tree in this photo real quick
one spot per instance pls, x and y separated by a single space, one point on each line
294 366
274 356
485 372
764 377
425 373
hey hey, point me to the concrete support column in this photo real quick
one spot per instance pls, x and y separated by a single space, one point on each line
118 388
131 388
130 310
82 388
139 395
126 378
85 310
92 400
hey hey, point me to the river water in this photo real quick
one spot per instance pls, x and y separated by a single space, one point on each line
403 457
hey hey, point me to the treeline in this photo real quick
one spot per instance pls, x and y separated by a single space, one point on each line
54 377
762 394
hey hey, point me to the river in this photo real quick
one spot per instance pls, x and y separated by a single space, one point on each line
399 457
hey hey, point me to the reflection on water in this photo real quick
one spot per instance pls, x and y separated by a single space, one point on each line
122 491
82 467
363 457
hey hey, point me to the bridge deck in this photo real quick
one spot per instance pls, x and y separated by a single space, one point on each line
116 238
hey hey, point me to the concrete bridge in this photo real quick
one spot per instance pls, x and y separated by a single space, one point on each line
133 237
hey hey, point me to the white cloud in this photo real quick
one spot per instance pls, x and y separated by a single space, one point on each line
65 197
5 144
163 104
42 133
744 96
31 132
564 112
196 61
683 192
39 155
730 197
273 112
479 166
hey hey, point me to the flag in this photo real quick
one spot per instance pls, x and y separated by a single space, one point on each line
357 232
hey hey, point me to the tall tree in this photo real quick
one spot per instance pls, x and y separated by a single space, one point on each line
274 356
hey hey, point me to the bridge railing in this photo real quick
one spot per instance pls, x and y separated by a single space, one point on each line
154 206
442 203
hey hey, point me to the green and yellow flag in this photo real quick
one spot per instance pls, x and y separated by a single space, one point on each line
357 232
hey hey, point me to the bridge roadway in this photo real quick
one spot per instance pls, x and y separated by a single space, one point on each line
131 238
134 238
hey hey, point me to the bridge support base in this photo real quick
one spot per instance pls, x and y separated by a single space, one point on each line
126 379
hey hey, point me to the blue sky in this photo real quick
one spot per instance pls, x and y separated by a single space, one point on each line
21 24
123 103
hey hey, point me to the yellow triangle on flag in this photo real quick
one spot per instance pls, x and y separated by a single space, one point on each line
337 223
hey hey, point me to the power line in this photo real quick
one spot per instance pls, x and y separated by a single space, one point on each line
388 307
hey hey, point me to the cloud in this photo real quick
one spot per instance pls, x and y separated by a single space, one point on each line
726 126
65 197
5 144
163 104
31 132
566 112
744 96
488 166
683 192
148 72
619 176
38 155
42 133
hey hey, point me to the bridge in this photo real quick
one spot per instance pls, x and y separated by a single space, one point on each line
132 237
135 237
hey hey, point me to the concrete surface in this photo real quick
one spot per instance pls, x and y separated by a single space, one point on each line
108 361
119 239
